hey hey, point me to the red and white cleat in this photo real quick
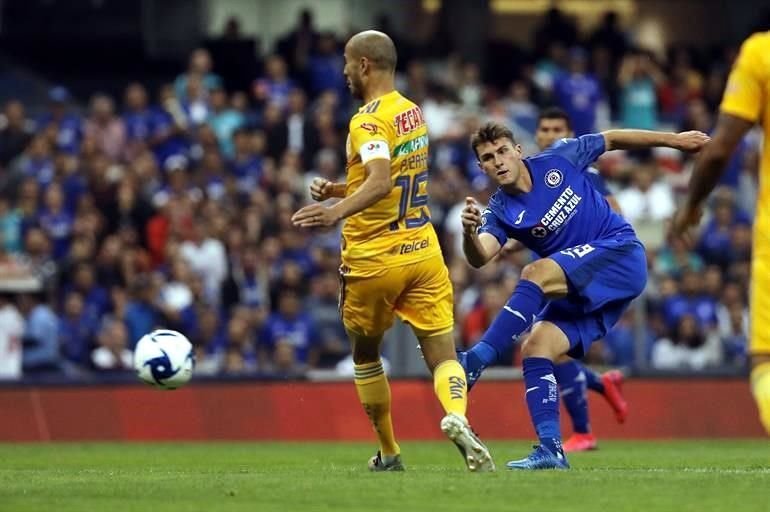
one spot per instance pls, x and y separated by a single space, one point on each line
613 392
580 443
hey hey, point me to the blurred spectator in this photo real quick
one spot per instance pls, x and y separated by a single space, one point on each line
275 86
10 226
206 257
715 244
609 35
106 128
224 121
296 46
291 336
209 342
325 67
199 71
112 352
64 126
676 257
241 356
689 348
141 314
647 204
15 132
35 162
521 111
323 305
56 221
579 93
246 164
76 331
690 301
639 77
11 333
40 353
555 27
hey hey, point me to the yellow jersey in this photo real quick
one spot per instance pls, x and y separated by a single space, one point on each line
396 230
747 95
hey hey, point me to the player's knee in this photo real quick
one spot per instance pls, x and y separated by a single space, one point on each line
538 346
533 272
539 272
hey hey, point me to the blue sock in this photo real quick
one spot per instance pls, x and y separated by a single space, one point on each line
593 380
574 394
510 323
542 396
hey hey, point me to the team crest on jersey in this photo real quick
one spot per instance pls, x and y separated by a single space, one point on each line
539 232
553 178
370 127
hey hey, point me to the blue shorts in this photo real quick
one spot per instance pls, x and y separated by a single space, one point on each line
603 277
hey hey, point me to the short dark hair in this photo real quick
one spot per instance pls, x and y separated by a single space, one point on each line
554 113
490 132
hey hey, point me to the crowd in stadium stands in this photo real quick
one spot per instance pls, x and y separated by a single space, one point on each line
172 207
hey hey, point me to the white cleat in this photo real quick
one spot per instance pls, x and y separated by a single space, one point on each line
475 453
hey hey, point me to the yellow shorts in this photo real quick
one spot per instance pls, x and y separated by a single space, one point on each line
759 335
419 293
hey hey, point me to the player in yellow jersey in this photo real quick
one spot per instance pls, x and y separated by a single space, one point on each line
746 101
391 260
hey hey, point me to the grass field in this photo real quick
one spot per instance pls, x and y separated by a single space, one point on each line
678 476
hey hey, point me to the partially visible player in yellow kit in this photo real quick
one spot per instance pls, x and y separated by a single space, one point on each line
391 260
746 101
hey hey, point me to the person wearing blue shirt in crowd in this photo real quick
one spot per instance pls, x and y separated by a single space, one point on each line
591 263
292 327
578 93
40 352
68 126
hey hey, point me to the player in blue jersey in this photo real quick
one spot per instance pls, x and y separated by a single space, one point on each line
574 378
591 263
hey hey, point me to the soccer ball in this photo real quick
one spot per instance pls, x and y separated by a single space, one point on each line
164 359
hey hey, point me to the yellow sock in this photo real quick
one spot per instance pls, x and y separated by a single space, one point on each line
450 386
760 387
374 394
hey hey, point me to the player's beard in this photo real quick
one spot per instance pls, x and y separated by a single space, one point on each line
356 87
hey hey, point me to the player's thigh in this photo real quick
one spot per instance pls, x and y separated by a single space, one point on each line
426 303
759 336
367 303
604 271
546 340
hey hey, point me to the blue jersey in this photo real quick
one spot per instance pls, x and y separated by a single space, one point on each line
563 209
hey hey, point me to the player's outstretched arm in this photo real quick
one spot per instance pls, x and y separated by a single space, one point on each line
479 248
639 139
708 169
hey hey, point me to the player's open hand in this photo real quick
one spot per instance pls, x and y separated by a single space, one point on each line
471 216
683 223
691 141
321 189
315 215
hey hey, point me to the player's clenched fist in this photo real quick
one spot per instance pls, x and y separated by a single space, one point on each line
321 189
471 216
691 141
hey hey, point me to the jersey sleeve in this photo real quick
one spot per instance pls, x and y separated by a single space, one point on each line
597 181
582 151
369 137
744 94
490 223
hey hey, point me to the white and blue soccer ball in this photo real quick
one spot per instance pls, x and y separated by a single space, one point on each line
164 359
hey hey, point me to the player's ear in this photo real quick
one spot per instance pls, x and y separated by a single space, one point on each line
518 149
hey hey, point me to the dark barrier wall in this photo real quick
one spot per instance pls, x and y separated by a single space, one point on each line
661 408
